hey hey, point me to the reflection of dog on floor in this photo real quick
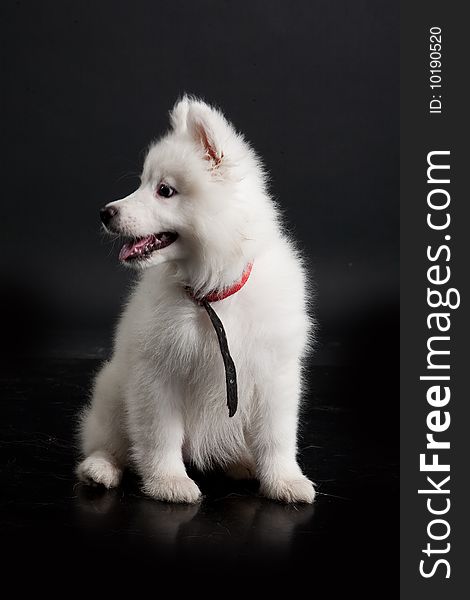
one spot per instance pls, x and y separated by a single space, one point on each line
207 237
233 526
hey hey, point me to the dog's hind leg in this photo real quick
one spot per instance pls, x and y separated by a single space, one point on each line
102 431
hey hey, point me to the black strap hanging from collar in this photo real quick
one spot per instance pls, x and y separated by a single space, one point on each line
230 371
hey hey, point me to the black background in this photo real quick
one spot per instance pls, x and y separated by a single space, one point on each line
86 87
314 85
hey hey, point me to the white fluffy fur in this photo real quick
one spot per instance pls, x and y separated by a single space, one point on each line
161 400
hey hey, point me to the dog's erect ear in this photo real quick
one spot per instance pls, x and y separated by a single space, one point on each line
206 125
179 114
209 128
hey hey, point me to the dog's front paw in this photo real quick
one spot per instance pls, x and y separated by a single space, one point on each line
99 469
299 489
173 489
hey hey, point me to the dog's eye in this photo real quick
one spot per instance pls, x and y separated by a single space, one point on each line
165 191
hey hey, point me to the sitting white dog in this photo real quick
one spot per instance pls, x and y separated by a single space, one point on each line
206 234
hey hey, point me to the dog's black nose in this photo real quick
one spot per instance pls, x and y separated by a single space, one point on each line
107 213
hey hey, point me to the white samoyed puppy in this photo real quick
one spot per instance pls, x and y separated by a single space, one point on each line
204 233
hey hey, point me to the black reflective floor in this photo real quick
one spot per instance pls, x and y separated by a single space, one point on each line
348 541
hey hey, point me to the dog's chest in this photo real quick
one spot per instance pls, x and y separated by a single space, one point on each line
174 340
177 334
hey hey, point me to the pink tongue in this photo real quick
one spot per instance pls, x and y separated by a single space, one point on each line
131 248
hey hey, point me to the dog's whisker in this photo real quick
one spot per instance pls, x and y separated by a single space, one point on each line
128 175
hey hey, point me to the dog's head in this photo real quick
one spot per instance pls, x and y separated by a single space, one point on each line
200 202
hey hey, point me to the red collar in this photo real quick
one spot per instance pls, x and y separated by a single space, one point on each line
226 292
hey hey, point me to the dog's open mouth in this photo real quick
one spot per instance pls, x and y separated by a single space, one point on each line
142 248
